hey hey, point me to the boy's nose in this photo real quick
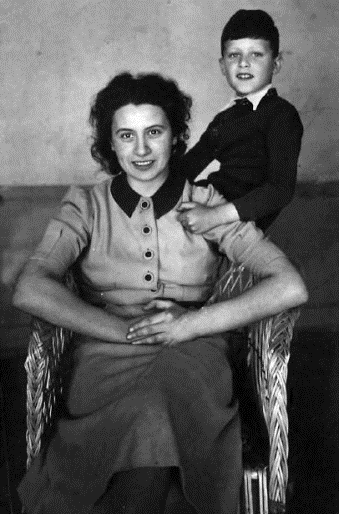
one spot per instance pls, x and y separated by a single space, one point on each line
244 61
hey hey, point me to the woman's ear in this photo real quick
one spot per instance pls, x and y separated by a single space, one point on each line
277 63
174 141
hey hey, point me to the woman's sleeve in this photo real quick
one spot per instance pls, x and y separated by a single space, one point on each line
68 233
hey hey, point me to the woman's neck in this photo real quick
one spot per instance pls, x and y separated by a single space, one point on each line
146 188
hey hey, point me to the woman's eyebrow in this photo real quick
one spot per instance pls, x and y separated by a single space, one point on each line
156 125
123 129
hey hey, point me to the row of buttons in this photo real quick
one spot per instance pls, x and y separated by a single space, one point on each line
147 230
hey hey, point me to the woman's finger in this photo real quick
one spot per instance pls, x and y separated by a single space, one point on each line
146 322
150 339
159 304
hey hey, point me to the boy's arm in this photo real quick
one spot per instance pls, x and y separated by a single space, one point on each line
284 144
200 155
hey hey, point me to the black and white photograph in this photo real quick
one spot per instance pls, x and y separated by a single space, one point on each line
169 257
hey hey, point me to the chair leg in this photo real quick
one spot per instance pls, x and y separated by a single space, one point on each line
255 492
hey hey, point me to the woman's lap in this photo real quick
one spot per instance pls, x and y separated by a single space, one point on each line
156 408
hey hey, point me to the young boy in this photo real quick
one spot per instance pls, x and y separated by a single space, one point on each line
256 138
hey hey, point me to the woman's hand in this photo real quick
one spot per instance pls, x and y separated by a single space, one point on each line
198 218
168 327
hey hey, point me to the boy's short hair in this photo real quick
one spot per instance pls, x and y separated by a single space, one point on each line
254 24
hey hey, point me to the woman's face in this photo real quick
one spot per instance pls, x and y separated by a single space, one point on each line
142 139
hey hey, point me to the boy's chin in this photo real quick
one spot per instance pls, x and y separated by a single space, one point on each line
243 92
247 87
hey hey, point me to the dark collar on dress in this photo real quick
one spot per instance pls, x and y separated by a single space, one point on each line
163 200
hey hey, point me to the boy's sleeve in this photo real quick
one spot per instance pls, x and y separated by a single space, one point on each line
200 155
283 144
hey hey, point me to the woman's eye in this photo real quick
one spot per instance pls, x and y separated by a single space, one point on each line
233 56
257 54
154 132
126 135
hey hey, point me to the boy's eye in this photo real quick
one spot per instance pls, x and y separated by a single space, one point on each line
257 54
233 55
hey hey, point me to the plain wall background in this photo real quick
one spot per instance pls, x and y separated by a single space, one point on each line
56 54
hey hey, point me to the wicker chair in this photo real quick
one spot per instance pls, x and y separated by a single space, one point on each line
264 487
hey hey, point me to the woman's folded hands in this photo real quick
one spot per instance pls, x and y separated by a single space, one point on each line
171 325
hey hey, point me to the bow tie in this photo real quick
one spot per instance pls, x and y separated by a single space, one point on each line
244 103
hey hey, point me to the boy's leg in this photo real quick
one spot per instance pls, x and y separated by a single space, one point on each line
136 491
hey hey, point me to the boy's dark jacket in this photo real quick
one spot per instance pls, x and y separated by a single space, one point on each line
258 151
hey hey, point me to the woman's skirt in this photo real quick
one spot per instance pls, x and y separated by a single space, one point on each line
130 406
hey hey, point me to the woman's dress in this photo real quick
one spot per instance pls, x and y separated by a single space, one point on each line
127 405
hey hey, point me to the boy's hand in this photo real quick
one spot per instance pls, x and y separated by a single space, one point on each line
198 218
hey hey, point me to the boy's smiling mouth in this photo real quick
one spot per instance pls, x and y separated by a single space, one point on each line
244 76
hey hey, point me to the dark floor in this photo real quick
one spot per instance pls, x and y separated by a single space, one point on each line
313 409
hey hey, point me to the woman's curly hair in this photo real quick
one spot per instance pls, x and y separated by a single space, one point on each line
144 88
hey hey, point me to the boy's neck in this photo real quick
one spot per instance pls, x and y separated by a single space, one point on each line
255 98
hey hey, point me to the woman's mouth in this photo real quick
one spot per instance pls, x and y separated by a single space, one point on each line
143 165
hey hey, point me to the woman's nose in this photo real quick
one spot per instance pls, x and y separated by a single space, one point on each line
142 146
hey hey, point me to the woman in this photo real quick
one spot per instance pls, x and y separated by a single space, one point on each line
149 400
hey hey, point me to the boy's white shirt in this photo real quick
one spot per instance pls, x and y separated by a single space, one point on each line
254 98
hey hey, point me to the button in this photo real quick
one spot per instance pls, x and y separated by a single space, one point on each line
146 230
148 277
145 204
148 254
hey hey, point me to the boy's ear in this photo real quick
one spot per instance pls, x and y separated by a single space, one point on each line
277 63
222 65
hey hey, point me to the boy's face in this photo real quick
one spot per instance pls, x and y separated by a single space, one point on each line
248 65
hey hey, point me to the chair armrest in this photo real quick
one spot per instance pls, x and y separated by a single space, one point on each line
268 355
45 349
269 352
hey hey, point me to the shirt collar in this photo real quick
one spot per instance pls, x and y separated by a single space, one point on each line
165 198
254 98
